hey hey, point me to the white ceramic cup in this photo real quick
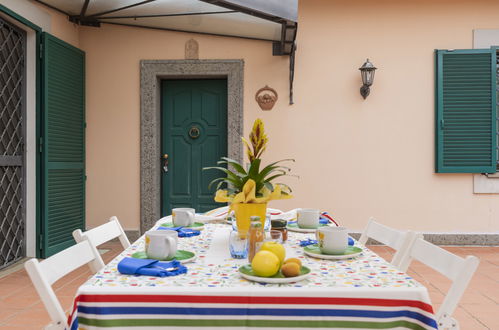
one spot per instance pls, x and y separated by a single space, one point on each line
161 244
332 240
308 218
183 216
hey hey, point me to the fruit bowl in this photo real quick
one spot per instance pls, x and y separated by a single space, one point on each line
248 273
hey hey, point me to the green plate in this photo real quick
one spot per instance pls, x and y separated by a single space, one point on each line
195 225
315 251
181 255
294 227
247 272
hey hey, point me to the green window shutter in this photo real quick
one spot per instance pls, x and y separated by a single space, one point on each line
466 111
63 145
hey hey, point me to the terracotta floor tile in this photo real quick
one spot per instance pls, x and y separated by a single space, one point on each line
15 278
467 321
478 308
21 301
6 313
31 317
486 313
66 302
21 327
378 248
436 298
6 289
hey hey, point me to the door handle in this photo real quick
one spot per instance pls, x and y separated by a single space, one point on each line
165 162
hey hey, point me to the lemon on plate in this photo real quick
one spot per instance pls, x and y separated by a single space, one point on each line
276 249
265 263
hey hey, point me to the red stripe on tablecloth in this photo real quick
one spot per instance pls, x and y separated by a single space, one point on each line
254 300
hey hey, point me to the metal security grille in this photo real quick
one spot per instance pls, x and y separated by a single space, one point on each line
12 103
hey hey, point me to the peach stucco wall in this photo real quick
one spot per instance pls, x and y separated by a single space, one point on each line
60 26
355 158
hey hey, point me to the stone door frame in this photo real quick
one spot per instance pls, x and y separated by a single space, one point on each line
151 74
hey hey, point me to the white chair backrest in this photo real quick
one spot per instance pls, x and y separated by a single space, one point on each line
44 273
102 234
396 239
458 270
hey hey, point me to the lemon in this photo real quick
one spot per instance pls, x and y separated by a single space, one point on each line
265 264
276 249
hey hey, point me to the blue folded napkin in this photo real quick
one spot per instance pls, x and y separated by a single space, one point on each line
150 267
182 232
309 241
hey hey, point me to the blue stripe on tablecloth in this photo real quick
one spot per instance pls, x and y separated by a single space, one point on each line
256 312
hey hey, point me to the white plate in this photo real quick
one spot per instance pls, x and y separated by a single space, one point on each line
271 280
332 256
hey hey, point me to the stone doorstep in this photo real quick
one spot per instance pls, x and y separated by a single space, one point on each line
460 239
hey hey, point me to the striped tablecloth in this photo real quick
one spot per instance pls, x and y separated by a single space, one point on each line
365 292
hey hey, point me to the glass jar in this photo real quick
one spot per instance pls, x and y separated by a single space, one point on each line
256 236
280 225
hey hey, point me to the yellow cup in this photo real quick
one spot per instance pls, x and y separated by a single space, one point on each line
243 213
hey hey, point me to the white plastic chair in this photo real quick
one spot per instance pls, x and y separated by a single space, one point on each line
44 273
458 270
396 239
102 234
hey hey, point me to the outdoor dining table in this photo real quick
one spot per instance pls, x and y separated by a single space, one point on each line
364 292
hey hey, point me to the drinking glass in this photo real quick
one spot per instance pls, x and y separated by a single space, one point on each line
266 227
274 236
238 245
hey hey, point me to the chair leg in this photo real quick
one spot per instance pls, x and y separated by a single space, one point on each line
448 322
53 326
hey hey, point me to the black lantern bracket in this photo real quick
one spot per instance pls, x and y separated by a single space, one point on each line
367 73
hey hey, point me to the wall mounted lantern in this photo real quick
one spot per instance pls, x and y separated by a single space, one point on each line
367 72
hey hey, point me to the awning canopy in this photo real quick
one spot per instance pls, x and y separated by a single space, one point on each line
270 20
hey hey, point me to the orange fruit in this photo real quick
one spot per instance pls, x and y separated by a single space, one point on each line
290 269
295 260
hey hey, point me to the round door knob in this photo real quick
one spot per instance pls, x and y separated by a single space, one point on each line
194 132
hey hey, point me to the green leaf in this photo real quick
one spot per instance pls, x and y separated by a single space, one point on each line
219 185
215 181
285 185
276 171
240 175
238 167
275 177
269 186
231 178
223 169
232 191
254 169
272 166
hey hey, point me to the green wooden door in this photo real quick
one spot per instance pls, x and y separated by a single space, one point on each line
194 135
62 145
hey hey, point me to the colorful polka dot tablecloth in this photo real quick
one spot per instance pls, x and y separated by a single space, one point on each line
365 292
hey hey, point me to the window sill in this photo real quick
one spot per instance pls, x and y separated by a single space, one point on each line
486 184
